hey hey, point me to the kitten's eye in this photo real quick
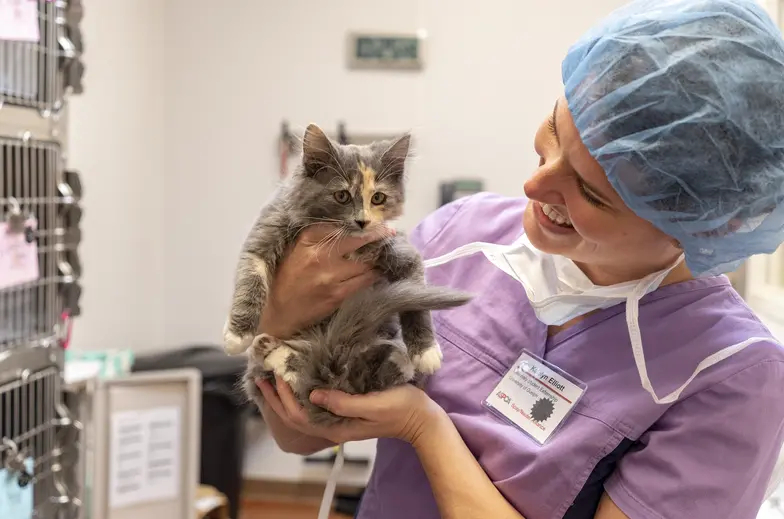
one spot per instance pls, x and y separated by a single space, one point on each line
378 198
343 197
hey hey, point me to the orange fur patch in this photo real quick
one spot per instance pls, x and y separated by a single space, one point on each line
373 213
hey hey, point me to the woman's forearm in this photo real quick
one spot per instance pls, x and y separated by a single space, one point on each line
460 485
290 440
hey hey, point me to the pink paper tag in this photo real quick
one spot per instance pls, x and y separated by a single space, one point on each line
18 259
19 20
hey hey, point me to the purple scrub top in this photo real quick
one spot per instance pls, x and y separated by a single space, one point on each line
707 456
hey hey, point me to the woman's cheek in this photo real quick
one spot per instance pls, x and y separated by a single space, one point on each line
592 223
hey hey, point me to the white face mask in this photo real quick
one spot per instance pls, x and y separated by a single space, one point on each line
559 291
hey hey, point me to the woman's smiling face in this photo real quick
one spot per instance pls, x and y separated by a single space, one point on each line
574 211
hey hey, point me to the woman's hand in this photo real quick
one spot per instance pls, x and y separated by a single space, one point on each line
291 440
403 412
315 277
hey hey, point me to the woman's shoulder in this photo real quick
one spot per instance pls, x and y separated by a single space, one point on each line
732 412
709 313
487 217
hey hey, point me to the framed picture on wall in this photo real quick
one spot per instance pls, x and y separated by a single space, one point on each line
385 51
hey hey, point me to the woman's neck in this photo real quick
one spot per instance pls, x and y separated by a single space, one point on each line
679 274
608 276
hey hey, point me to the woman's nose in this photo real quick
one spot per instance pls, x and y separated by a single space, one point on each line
545 185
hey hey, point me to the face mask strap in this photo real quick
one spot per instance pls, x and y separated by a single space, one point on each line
464 250
635 336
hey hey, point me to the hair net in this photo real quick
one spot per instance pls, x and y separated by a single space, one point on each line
682 103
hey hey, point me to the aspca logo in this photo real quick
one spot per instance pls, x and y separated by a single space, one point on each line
503 396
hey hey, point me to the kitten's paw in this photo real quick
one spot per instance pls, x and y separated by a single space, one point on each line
234 344
429 361
277 362
263 345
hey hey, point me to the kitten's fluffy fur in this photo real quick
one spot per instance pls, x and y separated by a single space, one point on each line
380 337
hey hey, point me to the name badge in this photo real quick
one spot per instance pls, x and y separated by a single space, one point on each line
535 396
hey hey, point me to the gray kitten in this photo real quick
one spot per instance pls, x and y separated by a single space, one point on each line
380 337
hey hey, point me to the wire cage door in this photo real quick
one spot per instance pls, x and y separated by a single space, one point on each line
29 198
36 74
39 442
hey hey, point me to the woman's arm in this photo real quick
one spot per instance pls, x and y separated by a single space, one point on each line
460 485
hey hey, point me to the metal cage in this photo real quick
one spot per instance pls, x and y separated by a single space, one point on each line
38 438
29 192
38 74
40 443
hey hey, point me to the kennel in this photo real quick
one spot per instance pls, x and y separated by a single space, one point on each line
39 265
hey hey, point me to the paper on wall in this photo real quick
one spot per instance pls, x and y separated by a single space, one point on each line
19 20
144 464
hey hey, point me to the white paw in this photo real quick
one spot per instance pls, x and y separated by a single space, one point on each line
277 362
234 344
430 360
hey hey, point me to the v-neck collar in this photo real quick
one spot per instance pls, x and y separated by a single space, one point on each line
552 342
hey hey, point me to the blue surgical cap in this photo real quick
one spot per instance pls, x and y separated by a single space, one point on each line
682 103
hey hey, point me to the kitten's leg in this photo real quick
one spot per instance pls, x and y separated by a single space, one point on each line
259 368
418 334
255 371
416 327
250 292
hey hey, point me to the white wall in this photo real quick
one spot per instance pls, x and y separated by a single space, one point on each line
233 73
116 141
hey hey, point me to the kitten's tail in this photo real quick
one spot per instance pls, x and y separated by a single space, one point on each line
365 311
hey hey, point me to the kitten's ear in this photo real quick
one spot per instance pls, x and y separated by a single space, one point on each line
317 150
394 158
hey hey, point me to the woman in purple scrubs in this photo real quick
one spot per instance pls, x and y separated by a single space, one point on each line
605 369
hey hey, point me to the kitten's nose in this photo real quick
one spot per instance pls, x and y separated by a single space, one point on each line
360 223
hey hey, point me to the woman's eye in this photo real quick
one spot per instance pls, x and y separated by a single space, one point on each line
378 198
590 198
551 125
342 197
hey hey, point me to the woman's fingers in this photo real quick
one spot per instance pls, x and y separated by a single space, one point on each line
352 285
350 244
295 411
271 397
349 406
314 234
